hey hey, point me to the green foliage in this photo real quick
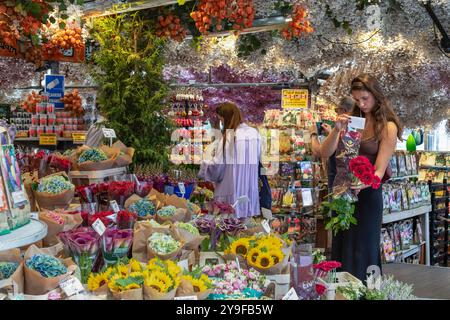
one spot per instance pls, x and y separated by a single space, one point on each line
247 44
344 210
131 88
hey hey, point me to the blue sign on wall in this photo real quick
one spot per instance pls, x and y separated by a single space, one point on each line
54 88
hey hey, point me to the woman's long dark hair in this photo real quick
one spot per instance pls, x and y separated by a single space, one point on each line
232 118
383 110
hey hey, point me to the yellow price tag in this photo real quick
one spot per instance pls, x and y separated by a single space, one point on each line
78 138
294 98
48 139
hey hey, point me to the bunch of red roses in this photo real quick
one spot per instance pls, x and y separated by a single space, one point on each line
361 168
324 267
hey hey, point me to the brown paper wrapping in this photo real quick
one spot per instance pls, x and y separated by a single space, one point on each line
276 269
133 294
135 198
51 201
191 241
169 231
28 180
232 257
102 290
35 283
152 294
53 229
125 159
111 153
179 215
186 289
15 283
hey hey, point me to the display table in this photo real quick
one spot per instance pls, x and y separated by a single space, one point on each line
30 233
429 282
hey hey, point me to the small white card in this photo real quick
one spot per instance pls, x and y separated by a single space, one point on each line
237 263
71 286
34 215
266 226
183 264
186 298
290 295
109 133
181 187
99 227
114 206
18 196
307 197
357 123
113 217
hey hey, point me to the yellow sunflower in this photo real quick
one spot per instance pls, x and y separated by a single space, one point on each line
112 283
264 261
135 274
122 270
95 281
271 241
156 284
240 246
206 279
109 272
132 286
198 284
253 256
173 269
277 256
161 276
135 265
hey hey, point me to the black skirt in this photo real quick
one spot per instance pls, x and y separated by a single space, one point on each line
359 247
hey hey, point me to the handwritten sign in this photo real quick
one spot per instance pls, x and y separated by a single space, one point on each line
294 98
109 133
48 139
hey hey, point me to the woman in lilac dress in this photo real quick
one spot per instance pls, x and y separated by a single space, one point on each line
234 166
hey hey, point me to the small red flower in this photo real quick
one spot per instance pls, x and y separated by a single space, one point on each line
320 289
367 179
376 182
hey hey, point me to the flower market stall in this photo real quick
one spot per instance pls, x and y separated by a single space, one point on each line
109 109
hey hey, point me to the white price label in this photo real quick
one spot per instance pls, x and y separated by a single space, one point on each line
114 206
237 263
307 197
112 217
241 199
186 298
18 196
71 286
99 227
357 123
34 215
109 133
266 226
183 264
290 295
181 187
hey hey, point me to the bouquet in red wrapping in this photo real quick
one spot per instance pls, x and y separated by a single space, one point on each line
88 193
126 219
59 163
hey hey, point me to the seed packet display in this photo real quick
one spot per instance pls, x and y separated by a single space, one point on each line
410 190
408 164
405 204
401 165
413 164
388 248
396 200
287 170
397 236
289 118
406 234
393 165
390 230
299 146
276 197
288 199
308 228
418 234
386 198
306 170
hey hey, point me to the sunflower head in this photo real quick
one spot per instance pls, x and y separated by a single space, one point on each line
264 261
197 284
161 276
240 246
155 284
277 256
132 286
173 269
122 270
252 256
95 281
135 265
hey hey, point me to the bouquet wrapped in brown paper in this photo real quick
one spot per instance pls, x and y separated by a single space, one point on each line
11 271
165 245
190 235
151 293
91 159
190 286
131 294
144 208
125 157
43 272
58 221
54 191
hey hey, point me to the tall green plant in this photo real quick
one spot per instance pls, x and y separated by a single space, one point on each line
128 71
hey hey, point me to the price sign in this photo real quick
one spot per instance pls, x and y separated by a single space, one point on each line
290 295
181 187
114 206
294 98
109 133
71 286
48 139
99 227
79 138
186 298
266 226
307 197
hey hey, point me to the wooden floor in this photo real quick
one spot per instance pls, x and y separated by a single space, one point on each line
429 282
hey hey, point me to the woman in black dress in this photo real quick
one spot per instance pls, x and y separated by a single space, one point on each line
359 247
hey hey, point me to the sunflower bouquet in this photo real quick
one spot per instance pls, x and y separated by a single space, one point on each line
263 253
126 282
98 282
195 283
161 279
